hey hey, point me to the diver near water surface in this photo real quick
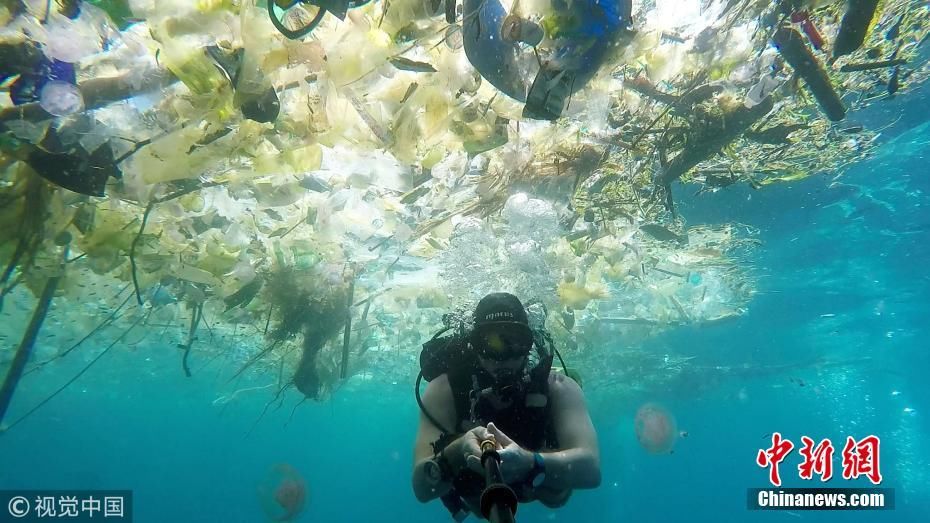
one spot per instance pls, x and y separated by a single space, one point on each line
488 384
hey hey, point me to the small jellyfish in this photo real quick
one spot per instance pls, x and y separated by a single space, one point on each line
61 98
283 493
655 429
454 38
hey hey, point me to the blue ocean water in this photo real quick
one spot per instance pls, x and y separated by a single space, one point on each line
842 309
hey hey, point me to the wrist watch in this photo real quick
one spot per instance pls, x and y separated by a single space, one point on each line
538 473
437 469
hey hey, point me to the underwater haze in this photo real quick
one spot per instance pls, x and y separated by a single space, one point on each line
835 286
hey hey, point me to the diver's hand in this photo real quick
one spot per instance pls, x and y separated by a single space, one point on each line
469 447
516 462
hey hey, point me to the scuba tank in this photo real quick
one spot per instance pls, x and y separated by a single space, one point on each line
440 354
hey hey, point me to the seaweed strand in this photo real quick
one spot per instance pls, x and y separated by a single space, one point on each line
78 375
145 217
29 338
195 321
255 359
348 332
102 325
132 251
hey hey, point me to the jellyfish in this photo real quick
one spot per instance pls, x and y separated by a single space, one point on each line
61 98
655 429
283 493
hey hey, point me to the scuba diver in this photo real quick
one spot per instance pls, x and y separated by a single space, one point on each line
488 384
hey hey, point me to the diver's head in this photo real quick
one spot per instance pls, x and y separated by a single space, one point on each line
501 336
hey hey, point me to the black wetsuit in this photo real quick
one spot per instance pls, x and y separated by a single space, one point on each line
526 420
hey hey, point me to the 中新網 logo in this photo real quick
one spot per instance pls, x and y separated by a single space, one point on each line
859 458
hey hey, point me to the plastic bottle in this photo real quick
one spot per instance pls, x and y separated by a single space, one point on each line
759 92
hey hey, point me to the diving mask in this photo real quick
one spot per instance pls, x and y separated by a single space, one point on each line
502 343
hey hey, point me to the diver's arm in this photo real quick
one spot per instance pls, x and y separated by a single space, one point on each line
437 399
578 464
